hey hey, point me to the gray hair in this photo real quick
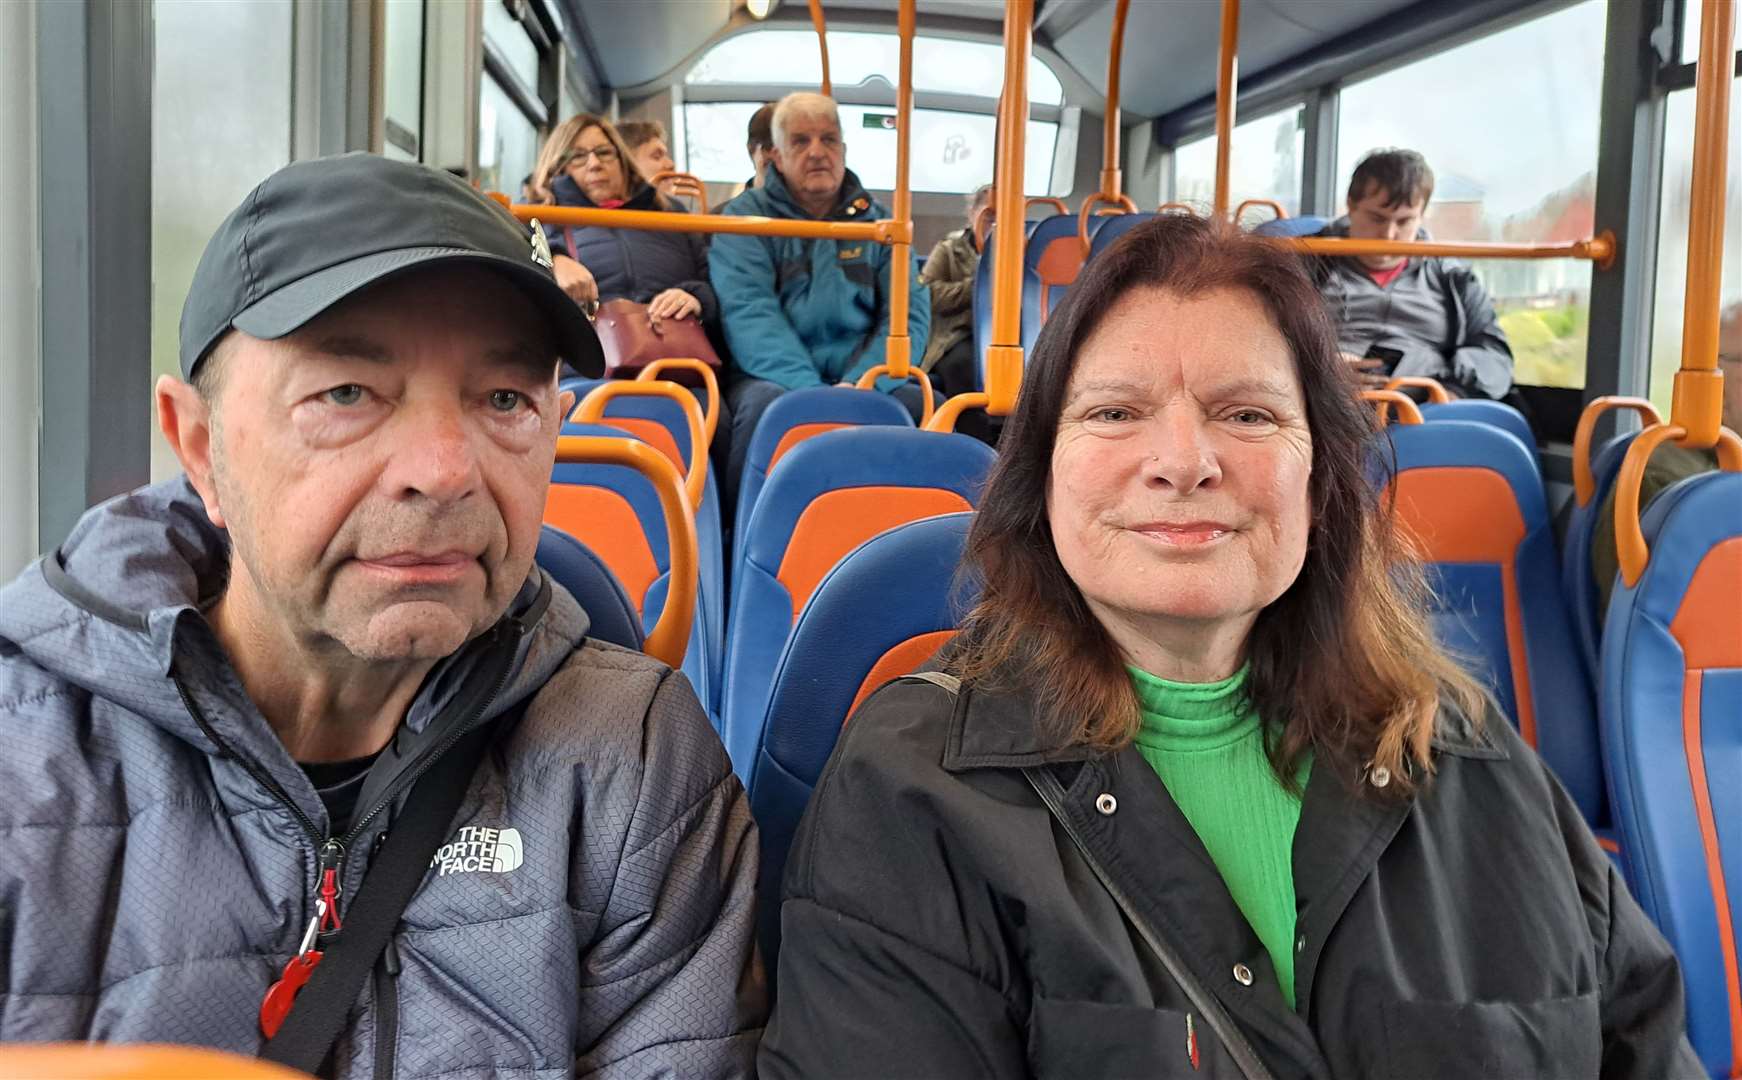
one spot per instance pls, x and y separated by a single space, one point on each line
803 104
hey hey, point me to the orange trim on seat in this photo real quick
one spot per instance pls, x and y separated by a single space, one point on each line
654 434
836 522
1696 753
604 521
1709 623
1457 514
902 659
798 433
1609 844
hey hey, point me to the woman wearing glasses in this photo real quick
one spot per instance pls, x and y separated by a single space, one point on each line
586 163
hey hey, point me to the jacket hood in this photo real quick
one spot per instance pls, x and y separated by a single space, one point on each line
117 611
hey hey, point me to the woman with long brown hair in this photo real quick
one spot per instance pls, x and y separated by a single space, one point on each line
1194 791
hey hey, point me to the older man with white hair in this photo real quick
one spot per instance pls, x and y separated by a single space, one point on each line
798 312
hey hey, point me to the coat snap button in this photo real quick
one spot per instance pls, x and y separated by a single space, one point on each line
1106 803
1379 777
1242 974
1300 943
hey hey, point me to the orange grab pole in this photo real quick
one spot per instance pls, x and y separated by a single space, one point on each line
592 411
1599 249
1407 410
878 232
822 28
868 381
686 184
710 381
1227 86
1697 403
1436 393
1124 204
1584 481
952 409
1275 208
1630 548
1004 353
898 353
1111 180
670 637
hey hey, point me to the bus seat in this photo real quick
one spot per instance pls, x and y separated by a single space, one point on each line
880 613
1672 725
1112 228
1494 413
571 564
1306 225
615 512
1471 498
796 416
1577 580
1031 319
660 423
829 495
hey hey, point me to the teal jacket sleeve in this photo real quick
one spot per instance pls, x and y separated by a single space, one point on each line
918 325
762 339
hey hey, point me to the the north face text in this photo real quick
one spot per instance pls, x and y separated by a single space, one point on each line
473 848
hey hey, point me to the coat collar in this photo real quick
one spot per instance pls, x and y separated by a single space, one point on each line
994 726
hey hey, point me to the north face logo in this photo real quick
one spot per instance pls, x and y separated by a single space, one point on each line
494 851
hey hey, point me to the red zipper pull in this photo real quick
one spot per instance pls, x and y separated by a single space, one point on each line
281 995
332 858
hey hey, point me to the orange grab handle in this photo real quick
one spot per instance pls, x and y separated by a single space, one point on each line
1277 212
592 410
982 226
1058 205
670 637
1407 410
683 183
1630 547
1436 394
952 409
1176 208
711 417
869 380
1584 481
84 1061
1126 206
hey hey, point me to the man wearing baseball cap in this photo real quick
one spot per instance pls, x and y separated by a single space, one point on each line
304 756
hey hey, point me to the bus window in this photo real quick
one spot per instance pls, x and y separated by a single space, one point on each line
1265 163
1515 159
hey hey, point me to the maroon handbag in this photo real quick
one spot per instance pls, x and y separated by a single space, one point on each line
631 341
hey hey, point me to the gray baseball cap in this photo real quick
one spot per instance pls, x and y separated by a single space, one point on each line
318 231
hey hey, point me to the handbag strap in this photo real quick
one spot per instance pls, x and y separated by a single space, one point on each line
393 877
1246 1059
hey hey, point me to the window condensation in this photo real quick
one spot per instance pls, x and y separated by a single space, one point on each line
1672 238
1514 158
952 152
941 65
1264 162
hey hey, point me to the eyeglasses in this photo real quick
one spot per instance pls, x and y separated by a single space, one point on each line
606 155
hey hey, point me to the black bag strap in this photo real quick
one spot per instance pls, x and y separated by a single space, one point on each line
393 877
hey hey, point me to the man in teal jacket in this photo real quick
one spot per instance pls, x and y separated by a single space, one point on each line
801 313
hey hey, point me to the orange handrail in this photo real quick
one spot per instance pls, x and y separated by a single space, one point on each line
85 1061
669 639
1124 203
1584 481
868 381
685 184
710 381
1058 205
1599 249
1110 176
1697 401
1176 208
1407 410
952 409
591 410
879 232
1630 548
1227 87
898 353
1275 208
822 29
1436 393
1004 353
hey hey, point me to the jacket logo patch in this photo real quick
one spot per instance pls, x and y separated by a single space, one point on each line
477 849
851 253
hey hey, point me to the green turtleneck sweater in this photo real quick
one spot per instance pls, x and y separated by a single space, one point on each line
1208 748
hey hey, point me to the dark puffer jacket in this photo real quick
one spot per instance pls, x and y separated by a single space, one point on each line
633 264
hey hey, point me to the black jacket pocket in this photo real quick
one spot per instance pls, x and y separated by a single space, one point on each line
1554 1039
1089 1039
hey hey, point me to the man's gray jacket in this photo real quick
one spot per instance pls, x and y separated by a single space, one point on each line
1436 315
593 914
